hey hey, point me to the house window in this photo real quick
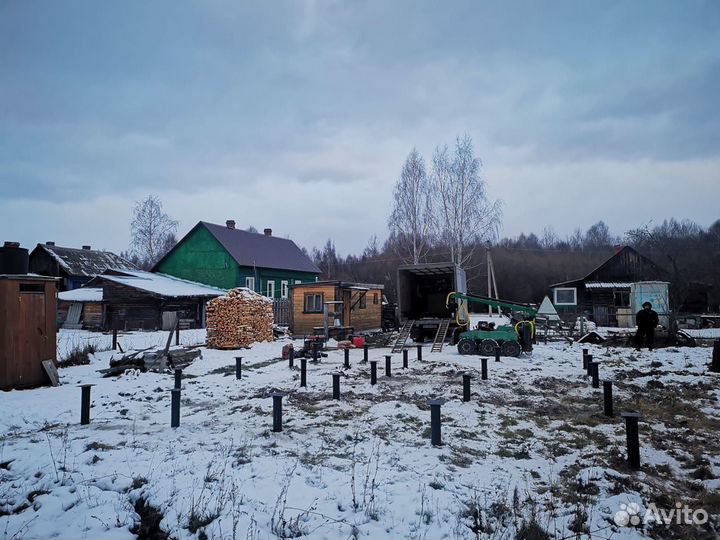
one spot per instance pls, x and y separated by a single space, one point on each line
298 281
284 289
622 298
363 301
565 296
314 302
375 298
270 288
250 283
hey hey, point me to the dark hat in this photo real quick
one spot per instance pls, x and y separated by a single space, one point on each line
648 304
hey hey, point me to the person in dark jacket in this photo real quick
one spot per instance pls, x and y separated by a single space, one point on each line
646 320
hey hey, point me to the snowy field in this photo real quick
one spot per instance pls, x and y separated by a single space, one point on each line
530 456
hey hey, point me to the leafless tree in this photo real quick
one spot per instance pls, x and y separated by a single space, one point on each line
152 231
412 216
466 217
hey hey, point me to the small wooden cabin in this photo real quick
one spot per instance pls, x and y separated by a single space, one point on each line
361 305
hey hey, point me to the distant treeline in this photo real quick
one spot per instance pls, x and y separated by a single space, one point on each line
527 264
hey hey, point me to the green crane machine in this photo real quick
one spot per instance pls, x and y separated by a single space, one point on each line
512 338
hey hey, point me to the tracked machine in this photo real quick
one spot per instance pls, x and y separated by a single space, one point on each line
513 339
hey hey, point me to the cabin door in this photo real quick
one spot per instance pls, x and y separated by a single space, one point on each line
346 299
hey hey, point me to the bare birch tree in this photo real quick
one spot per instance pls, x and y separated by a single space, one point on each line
412 216
466 217
152 231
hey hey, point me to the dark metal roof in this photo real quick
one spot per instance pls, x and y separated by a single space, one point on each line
341 284
605 264
257 249
85 262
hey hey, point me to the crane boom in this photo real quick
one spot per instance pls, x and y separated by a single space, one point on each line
494 302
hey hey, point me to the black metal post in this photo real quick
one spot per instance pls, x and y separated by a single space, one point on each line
238 367
715 365
314 352
405 359
336 385
595 372
633 438
497 353
608 398
466 387
291 357
114 339
373 371
588 368
178 378
277 411
85 403
419 352
347 358
483 367
388 366
303 371
175 407
435 429
177 334
365 353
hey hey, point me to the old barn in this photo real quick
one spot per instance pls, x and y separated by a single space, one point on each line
604 294
75 267
137 300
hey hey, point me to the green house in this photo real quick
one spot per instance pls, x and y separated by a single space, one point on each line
226 257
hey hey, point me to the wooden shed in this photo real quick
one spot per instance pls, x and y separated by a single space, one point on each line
361 305
137 300
604 294
81 308
28 331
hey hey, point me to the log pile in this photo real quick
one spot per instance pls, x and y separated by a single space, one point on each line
239 318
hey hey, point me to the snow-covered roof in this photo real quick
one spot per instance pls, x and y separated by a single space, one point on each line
607 285
84 262
83 294
162 284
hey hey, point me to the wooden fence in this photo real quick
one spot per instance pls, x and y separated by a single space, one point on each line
281 311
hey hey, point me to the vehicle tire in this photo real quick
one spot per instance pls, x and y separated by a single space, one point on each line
487 347
466 346
510 348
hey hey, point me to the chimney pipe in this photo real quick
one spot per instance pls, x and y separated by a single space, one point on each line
268 232
230 224
87 248
48 243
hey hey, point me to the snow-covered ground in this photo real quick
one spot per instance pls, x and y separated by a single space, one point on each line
531 450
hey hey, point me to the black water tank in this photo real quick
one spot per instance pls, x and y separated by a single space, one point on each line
14 259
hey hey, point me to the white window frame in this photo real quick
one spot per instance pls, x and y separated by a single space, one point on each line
250 283
298 281
270 288
284 284
573 289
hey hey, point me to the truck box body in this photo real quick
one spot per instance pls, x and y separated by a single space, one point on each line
422 290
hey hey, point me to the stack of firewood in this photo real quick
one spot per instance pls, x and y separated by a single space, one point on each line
239 318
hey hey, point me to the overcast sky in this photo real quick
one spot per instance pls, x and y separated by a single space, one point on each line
299 115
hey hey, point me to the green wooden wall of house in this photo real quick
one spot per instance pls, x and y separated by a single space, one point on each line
200 257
